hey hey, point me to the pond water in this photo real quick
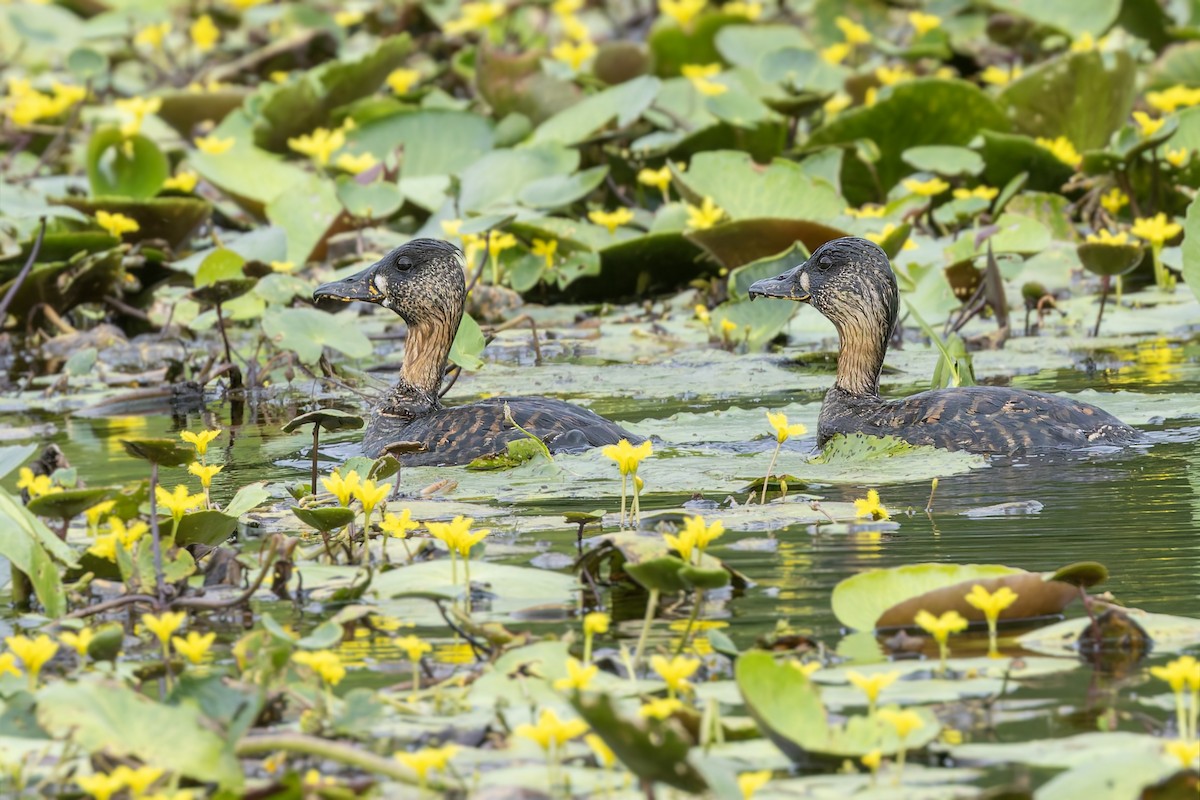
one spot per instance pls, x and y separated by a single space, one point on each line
1136 511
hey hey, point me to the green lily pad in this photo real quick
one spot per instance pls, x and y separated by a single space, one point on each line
121 166
927 111
329 419
184 109
621 104
325 519
739 243
164 452
1109 259
943 160
1191 248
1082 96
209 527
172 219
31 548
1076 18
745 190
307 332
67 504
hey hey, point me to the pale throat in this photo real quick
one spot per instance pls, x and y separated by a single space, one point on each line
863 334
426 350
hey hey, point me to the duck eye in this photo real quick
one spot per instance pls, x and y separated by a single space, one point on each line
824 264
404 263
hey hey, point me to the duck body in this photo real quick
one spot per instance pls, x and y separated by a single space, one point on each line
423 282
851 282
992 420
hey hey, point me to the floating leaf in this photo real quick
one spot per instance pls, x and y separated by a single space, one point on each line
66 504
329 419
125 166
209 527
163 452
325 519
739 243
620 104
744 190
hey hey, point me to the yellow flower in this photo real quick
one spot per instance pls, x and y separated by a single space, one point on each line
204 473
806 668
737 8
981 192
184 181
660 708
929 188
137 108
546 249
783 431
371 495
682 11
836 53
657 178
579 677
871 211
152 35
398 526
105 547
127 536
1084 43
941 627
356 165
751 782
870 507
890 76
574 54
728 326
178 502
474 16
837 104
923 23
213 146
854 33
888 229
684 543
116 224
1062 149
413 646
341 488
36 485
195 646
99 785
708 88
701 313
999 76
402 80
139 780
611 219
347 19
1156 230
1173 98
34 653
1103 236
550 731
164 625
872 760
94 513
1186 752
1148 125
704 534
705 216
426 759
1114 200
992 603
627 456
604 753
457 534
695 72
8 665
596 622
1180 673
566 8
319 145
872 685
499 242
204 33
675 673
77 641
903 722
1177 157
325 663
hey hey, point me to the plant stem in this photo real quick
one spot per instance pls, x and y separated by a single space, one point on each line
587 648
651 608
326 749
993 646
697 602
316 440
155 536
1104 299
624 485
770 467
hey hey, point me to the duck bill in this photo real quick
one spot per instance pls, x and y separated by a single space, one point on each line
360 286
791 285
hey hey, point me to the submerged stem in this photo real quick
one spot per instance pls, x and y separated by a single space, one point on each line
762 501
651 608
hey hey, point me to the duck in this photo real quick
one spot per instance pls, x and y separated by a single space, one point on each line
423 282
851 283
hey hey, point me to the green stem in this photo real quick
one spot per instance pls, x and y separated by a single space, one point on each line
587 648
624 490
943 652
770 467
651 608
637 503
467 581
687 632
326 749
993 644
900 762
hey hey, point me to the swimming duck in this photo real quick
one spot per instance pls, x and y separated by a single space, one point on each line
851 283
423 282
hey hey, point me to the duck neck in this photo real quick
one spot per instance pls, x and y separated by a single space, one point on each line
427 348
864 328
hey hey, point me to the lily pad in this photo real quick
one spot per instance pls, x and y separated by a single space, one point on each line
325 519
67 504
860 600
745 190
164 452
739 243
209 527
172 219
329 419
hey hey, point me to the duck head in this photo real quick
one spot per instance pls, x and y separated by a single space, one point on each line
843 278
422 281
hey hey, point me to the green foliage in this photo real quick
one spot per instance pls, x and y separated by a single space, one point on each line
121 166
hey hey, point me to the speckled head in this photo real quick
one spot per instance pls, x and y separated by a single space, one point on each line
421 281
843 278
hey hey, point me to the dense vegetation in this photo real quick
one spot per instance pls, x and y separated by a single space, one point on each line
179 176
